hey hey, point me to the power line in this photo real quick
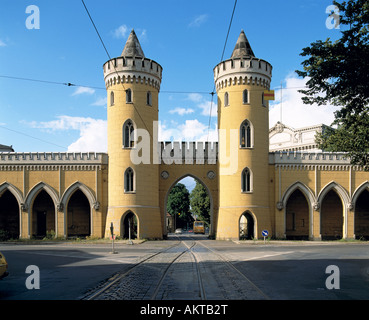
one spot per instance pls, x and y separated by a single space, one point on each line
97 31
114 65
38 80
69 84
229 28
221 59
27 135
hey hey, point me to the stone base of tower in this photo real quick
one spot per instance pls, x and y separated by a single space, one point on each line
147 226
233 226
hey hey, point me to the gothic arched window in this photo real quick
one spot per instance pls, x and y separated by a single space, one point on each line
128 134
112 98
245 135
128 96
226 99
129 180
246 180
245 96
148 98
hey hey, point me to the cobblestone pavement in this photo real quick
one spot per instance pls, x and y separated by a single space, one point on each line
187 271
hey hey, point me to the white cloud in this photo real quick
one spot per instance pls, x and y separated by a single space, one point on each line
295 113
195 97
121 31
207 107
181 111
2 44
101 102
92 132
198 20
83 90
191 130
93 137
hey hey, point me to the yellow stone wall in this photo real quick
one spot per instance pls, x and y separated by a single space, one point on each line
315 181
232 202
144 200
60 181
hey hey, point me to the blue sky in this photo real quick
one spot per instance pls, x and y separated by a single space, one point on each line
185 37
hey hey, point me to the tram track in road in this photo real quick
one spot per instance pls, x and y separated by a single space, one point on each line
115 279
188 270
147 279
260 294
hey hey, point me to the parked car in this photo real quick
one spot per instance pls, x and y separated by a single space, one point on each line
179 230
3 266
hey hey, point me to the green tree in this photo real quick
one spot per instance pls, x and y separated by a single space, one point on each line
200 202
178 204
337 73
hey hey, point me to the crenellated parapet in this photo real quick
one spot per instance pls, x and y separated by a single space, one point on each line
123 70
52 160
309 160
187 152
243 71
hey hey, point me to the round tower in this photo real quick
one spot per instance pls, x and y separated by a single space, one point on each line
133 85
243 143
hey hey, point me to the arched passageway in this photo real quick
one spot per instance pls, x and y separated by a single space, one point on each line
362 216
129 224
331 217
297 217
9 216
79 215
43 215
246 226
192 201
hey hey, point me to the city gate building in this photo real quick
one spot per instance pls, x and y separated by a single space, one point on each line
257 178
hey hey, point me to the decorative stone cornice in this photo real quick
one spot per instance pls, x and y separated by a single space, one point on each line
52 160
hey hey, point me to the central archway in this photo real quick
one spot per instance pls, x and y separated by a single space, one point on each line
178 180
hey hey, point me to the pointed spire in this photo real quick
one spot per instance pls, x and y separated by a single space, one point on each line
132 47
242 47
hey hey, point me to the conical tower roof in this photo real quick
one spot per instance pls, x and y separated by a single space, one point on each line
242 47
132 47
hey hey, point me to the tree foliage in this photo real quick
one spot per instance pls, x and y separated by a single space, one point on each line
200 202
179 204
338 73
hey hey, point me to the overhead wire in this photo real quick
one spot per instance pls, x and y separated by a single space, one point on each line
30 136
69 84
221 59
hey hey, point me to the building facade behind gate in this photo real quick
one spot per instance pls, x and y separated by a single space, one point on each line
296 191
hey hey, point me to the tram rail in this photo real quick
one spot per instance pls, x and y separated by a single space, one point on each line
216 276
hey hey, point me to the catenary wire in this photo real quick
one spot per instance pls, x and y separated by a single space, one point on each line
69 84
30 136
221 59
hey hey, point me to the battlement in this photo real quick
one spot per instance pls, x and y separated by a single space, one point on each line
132 70
51 158
307 158
187 152
247 71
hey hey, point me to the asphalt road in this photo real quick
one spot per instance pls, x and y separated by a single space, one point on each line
67 271
282 270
